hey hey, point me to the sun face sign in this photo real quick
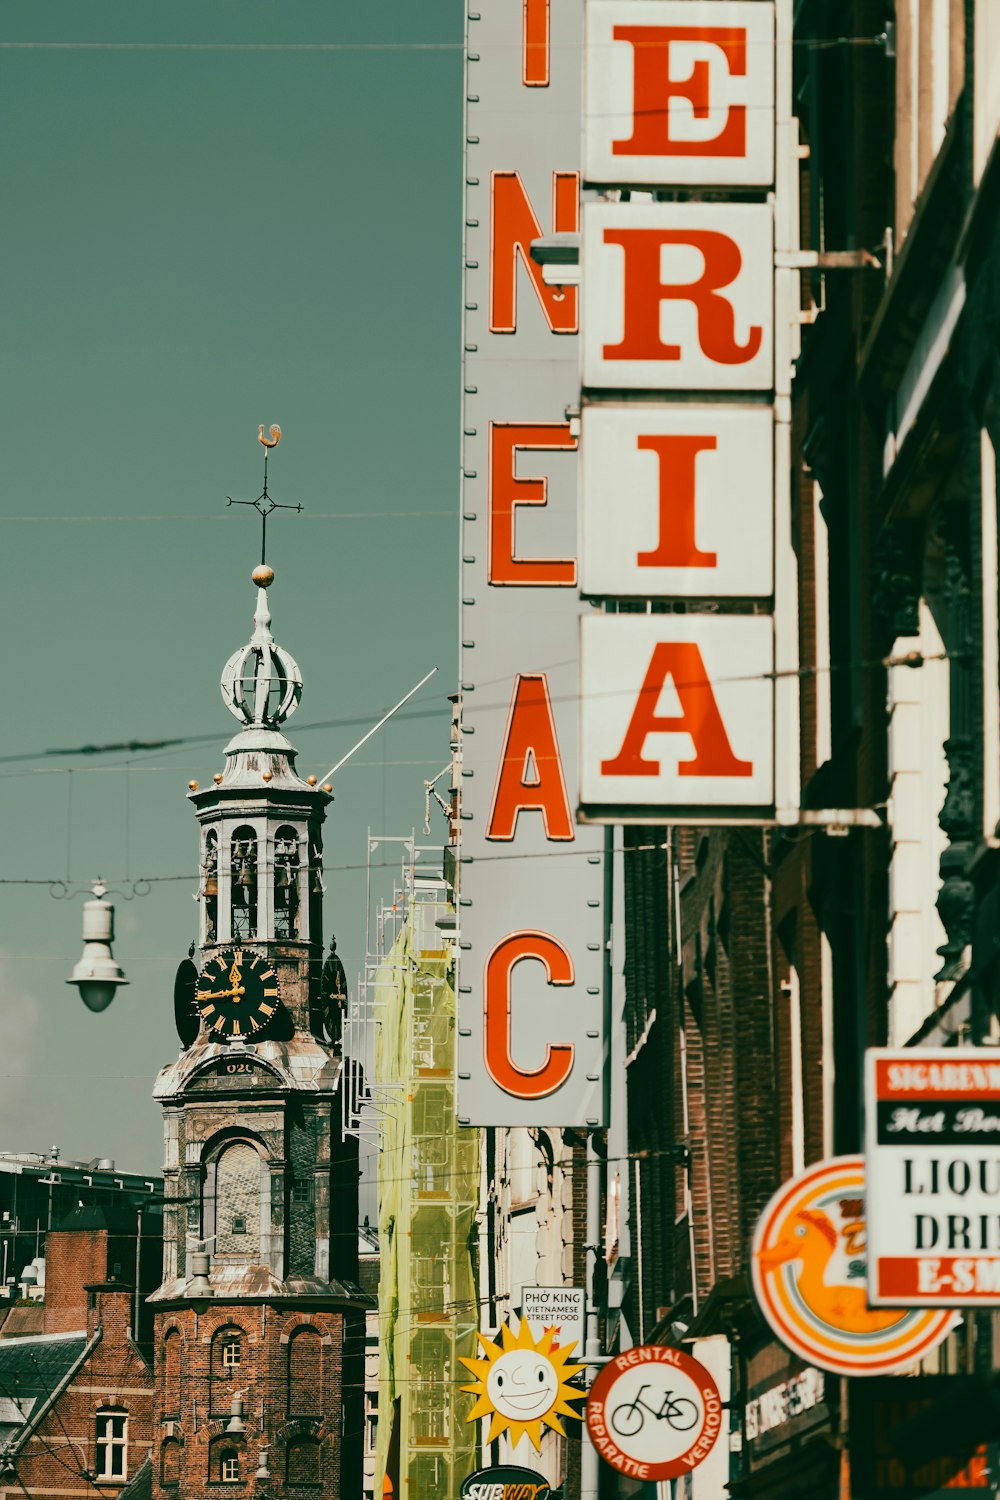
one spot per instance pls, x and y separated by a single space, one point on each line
522 1384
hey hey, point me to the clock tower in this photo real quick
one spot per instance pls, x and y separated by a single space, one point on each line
259 1322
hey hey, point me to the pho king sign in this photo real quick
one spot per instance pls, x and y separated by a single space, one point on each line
933 1167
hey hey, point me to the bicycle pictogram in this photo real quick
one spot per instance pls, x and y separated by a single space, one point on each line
677 1411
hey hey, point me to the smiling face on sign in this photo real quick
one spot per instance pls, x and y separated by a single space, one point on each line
522 1385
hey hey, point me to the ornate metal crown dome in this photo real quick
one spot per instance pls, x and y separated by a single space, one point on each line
261 683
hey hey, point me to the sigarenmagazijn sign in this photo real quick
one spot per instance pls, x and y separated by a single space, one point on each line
932 1158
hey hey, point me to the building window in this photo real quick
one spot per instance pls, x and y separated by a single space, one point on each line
210 885
302 1190
371 1420
286 883
112 1444
170 1462
226 1460
243 875
224 1376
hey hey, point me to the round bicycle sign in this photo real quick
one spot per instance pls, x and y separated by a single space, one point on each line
654 1412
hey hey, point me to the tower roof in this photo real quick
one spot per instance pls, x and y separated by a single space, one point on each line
261 683
261 686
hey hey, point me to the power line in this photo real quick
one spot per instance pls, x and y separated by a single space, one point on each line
350 515
911 659
232 46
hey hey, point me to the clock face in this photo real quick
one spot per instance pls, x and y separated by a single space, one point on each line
237 993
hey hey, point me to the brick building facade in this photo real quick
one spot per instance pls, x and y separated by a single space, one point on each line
76 1402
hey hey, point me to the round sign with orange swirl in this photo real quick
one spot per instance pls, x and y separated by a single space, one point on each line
809 1267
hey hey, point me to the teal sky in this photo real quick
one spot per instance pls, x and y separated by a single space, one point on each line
194 242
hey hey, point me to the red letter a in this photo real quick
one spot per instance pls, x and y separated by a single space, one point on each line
530 739
681 661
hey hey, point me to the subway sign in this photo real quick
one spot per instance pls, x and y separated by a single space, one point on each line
506 1482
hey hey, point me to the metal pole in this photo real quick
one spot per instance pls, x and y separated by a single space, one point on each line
376 727
588 1453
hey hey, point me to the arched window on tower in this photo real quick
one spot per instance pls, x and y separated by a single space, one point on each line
226 1460
226 1373
172 1374
238 1183
305 1373
170 1461
286 883
210 885
243 877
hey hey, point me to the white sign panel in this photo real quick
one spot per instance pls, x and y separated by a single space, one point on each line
932 1159
676 500
559 1307
677 711
679 91
531 943
678 296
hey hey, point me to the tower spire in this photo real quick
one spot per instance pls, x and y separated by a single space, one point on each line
263 504
261 683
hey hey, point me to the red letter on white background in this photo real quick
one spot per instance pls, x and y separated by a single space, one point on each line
535 44
682 663
530 775
522 1083
676 548
513 226
645 290
507 492
654 91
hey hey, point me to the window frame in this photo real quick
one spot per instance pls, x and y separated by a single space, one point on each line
108 1445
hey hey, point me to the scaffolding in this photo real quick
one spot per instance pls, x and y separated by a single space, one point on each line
428 1194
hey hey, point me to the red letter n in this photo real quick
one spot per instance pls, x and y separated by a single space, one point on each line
513 226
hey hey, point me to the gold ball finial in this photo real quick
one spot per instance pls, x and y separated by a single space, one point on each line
217 778
266 775
327 787
263 576
192 786
310 781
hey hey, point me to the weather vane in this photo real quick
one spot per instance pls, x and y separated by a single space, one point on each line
263 504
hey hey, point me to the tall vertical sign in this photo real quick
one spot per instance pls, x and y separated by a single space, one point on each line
531 894
688 710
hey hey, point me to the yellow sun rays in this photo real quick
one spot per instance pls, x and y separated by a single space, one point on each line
554 1382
